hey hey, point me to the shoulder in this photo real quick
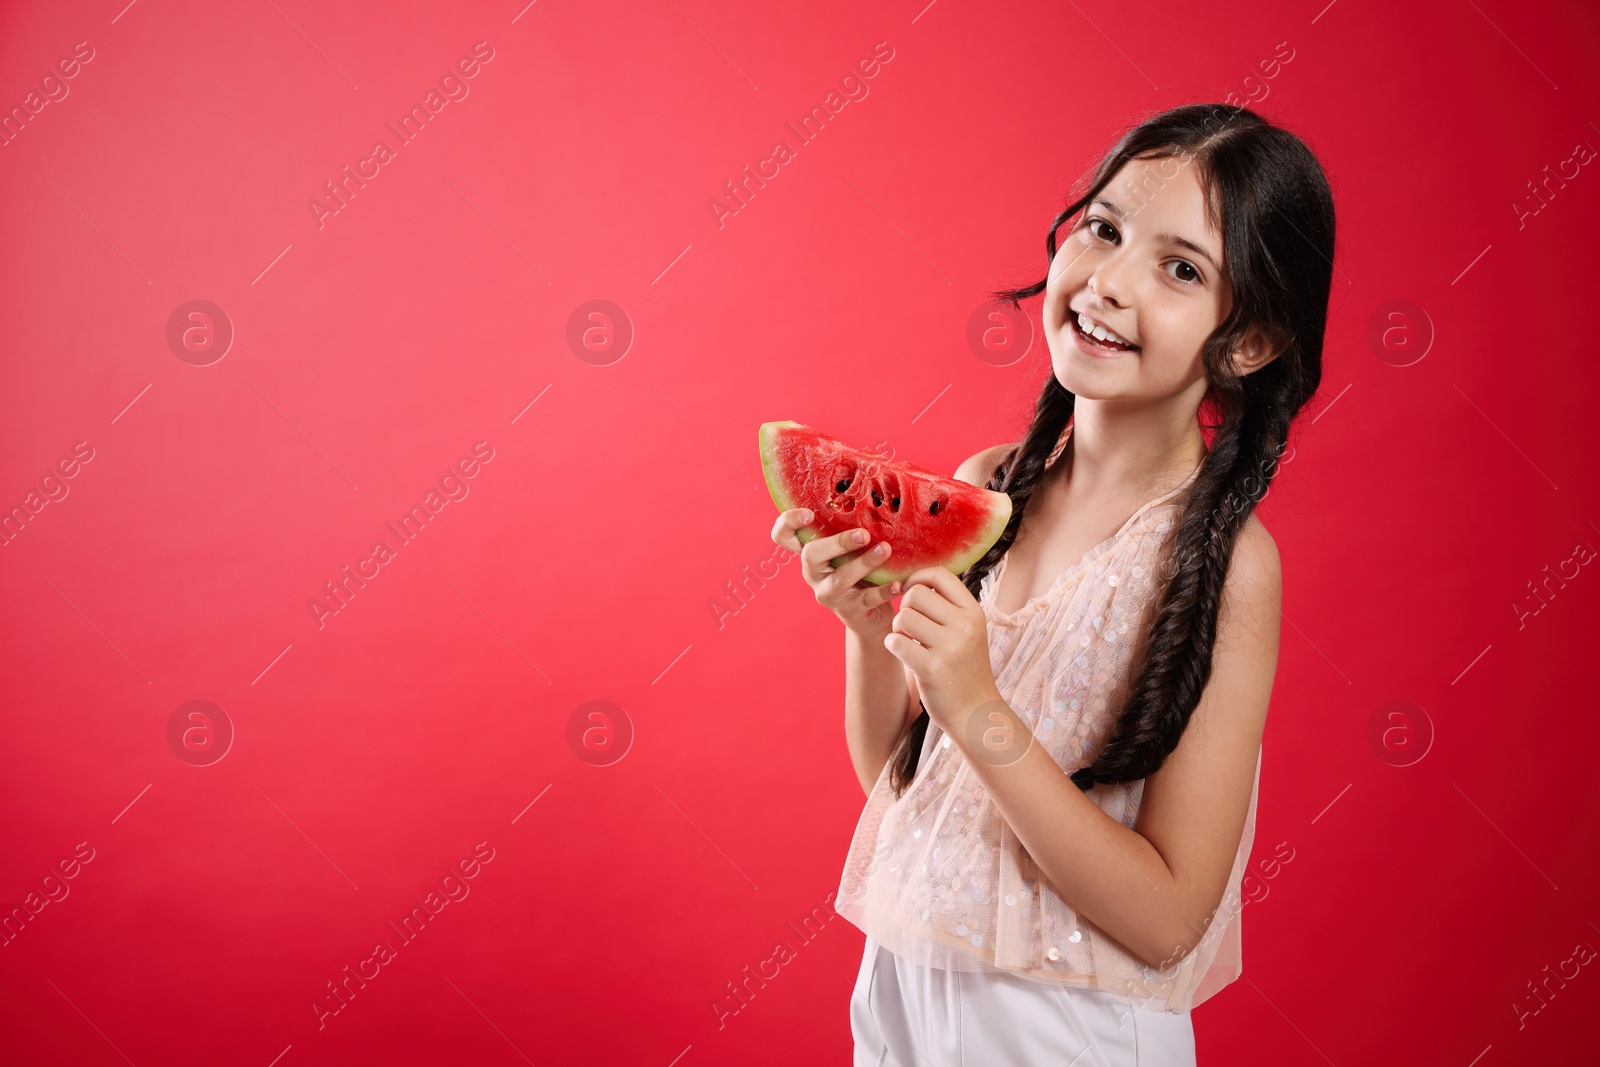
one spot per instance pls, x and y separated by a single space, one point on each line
979 468
1255 574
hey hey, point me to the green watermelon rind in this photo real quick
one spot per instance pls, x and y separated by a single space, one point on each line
880 575
769 468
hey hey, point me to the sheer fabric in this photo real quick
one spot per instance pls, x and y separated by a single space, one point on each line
937 876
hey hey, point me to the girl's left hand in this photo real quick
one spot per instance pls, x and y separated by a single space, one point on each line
942 636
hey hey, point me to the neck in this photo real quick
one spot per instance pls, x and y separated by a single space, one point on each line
1143 450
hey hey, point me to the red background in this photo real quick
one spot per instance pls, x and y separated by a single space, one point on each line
372 754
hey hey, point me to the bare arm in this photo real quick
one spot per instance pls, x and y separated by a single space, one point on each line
878 706
1155 887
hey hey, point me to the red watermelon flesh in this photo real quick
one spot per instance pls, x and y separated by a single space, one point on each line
928 519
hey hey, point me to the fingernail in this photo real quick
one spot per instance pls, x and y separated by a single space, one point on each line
806 516
860 537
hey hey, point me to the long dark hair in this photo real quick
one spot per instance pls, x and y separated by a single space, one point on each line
1270 200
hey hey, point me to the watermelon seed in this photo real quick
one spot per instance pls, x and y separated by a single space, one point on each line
933 509
877 500
842 486
895 504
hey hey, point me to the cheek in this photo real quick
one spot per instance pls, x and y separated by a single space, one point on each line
1056 280
1177 355
1069 263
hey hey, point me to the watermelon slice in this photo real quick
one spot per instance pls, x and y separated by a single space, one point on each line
929 520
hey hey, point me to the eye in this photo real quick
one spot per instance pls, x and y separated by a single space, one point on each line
1183 264
1093 220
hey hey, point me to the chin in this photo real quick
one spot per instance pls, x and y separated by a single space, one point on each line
1068 358
1084 386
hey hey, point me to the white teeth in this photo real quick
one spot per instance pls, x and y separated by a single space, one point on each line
1095 330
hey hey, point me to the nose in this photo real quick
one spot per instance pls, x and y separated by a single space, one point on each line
1107 281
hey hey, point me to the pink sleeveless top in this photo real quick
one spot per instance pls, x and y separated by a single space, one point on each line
937 876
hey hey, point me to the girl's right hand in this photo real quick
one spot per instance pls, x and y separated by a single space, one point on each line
863 607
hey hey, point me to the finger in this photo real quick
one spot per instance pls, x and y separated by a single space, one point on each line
941 581
863 563
852 572
825 555
915 658
784 531
819 561
895 645
873 595
880 607
929 602
917 626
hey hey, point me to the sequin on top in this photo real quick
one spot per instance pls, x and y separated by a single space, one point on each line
938 877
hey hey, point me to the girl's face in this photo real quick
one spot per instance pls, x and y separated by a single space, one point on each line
1142 261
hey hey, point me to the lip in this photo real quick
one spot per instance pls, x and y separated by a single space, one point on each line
1087 345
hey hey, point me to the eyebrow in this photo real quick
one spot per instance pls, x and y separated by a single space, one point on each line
1170 238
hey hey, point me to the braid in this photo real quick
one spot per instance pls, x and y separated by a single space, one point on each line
1018 475
1173 665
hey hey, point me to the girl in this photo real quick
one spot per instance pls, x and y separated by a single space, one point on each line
1061 747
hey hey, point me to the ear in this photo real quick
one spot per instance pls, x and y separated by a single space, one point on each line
1256 352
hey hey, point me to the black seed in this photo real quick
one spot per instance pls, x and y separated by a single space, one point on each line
933 509
842 486
895 503
877 498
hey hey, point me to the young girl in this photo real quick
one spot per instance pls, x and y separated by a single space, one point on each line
1061 748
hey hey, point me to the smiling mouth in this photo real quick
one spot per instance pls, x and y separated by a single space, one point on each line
1107 346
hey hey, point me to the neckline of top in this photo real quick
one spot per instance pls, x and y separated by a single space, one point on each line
1060 582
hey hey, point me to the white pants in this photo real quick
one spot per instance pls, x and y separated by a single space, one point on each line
906 1015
